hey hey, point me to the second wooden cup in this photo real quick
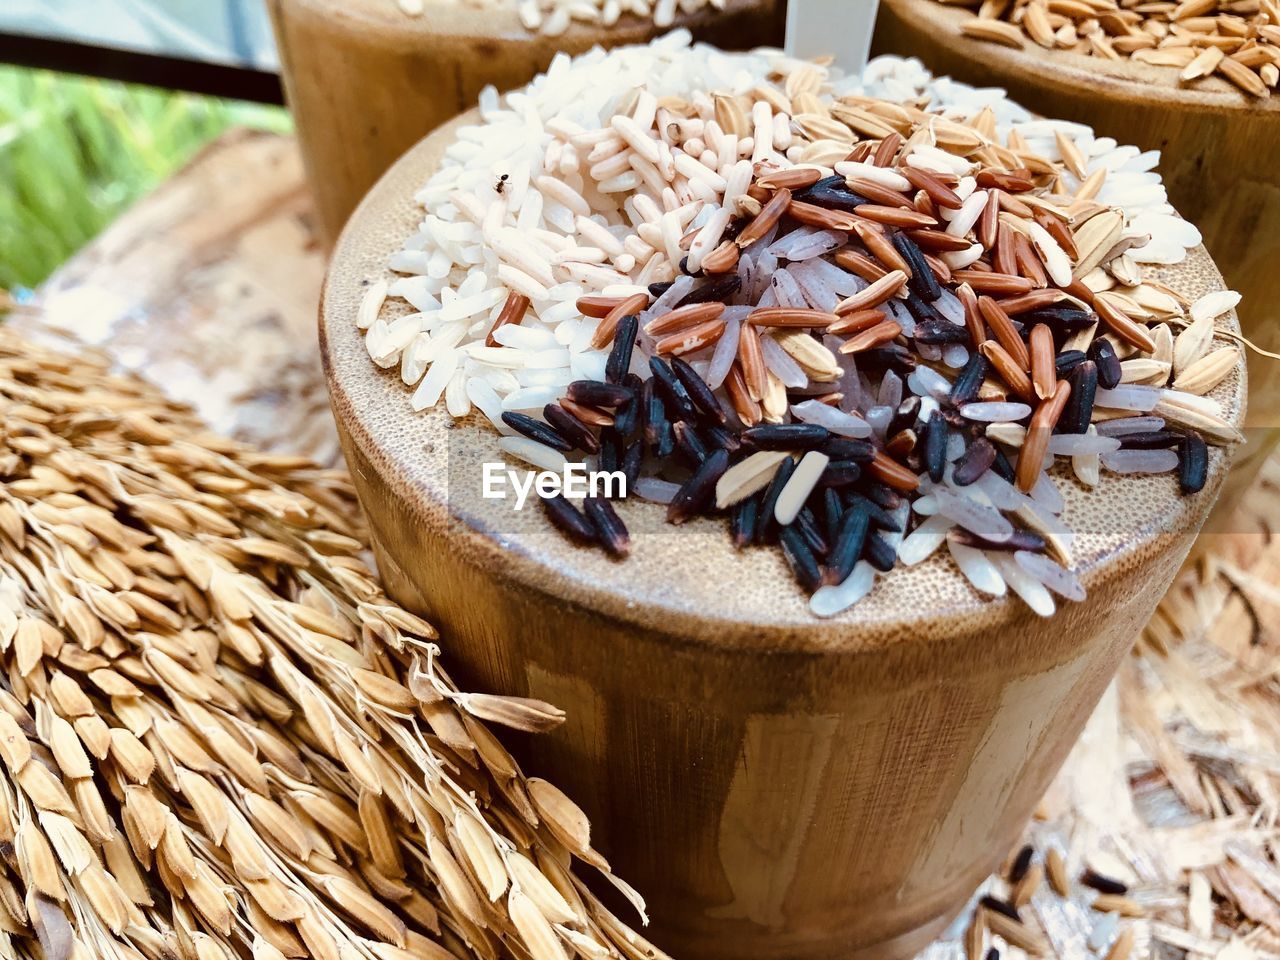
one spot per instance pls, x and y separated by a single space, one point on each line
365 81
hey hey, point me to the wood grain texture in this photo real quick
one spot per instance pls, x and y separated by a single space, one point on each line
213 301
1219 152
365 82
778 787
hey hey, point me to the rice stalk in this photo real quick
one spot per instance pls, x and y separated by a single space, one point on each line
219 738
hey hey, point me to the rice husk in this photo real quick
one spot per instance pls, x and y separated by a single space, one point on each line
219 737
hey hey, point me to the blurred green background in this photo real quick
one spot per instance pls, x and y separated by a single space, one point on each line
75 152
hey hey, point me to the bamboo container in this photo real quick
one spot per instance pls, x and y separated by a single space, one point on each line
1218 161
365 81
778 787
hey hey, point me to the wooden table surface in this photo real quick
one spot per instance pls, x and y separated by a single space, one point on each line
210 288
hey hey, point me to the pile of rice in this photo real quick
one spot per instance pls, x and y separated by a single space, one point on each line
616 175
553 17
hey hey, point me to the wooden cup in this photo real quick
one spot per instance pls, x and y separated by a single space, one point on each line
1219 151
779 787
365 81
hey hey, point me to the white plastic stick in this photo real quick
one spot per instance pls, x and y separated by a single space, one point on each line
817 28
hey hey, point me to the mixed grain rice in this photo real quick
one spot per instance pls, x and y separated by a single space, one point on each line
647 227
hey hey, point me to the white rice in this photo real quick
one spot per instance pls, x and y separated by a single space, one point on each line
978 569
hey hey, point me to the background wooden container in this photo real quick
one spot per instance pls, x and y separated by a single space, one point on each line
365 82
1220 160
778 787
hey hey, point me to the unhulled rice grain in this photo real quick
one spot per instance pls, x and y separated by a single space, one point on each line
220 738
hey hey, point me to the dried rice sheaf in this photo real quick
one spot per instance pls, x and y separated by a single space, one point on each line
218 737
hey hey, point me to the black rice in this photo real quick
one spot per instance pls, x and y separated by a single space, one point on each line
832 513
935 445
1002 467
847 547
1021 864
974 462
803 564
611 447
718 290
699 490
654 413
969 382
703 399
742 525
1067 361
666 442
624 341
1001 906
1104 355
840 473
846 448
1193 463
688 444
632 461
807 524
1103 884
923 310
1084 388
571 428
566 518
1150 440
785 436
721 437
770 500
880 553
610 530
1063 320
940 332
884 500
1019 540
892 356
627 420
597 393
536 430
922 280
832 193
675 396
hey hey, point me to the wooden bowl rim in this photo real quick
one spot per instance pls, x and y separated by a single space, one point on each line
571 575
1087 77
460 21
